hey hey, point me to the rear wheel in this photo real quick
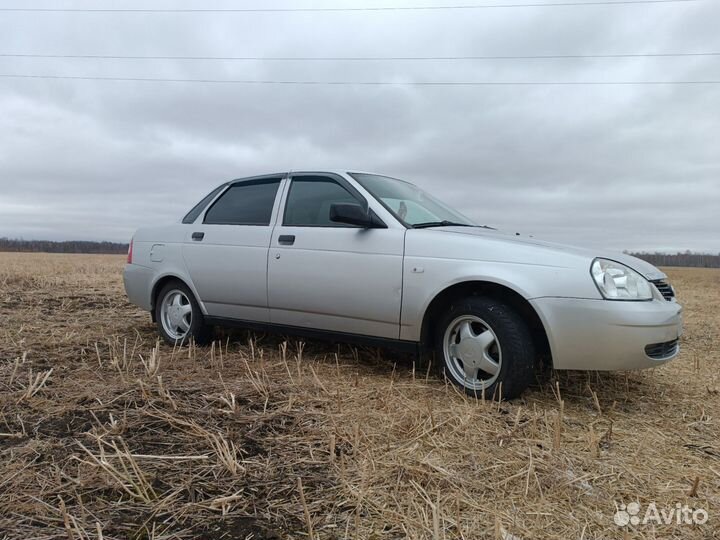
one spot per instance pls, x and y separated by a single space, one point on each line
178 316
485 348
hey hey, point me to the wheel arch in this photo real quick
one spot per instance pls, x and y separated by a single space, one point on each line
489 289
163 280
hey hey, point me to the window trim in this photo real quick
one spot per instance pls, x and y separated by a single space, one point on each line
267 179
342 182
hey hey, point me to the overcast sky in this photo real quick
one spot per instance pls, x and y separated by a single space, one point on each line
621 167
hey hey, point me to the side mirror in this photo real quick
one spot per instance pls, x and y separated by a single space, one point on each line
354 214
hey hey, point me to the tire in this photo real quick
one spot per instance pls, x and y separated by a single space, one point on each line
178 315
490 335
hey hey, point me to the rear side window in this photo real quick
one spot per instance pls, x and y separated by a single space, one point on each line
309 200
193 214
248 203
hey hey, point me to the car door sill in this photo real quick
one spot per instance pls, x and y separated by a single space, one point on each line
323 335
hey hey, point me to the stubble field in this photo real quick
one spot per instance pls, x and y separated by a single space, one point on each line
104 433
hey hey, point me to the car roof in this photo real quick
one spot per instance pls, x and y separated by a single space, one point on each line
307 170
331 170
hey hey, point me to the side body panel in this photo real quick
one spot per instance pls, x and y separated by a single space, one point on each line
341 279
344 280
157 254
228 266
436 260
229 269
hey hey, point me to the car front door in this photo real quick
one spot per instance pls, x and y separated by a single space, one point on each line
226 250
331 276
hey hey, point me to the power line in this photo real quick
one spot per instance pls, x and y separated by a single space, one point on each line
339 9
361 58
360 83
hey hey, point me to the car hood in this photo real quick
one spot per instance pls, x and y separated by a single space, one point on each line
646 269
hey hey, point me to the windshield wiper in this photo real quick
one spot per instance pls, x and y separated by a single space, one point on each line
443 223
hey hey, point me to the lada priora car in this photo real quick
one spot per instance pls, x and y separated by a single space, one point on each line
371 259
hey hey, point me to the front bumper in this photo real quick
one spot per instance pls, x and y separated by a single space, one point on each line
608 335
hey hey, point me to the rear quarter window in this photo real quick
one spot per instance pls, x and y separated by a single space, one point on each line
193 214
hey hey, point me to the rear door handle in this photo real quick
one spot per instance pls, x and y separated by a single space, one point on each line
286 239
198 236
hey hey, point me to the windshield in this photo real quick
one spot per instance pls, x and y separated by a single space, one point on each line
409 203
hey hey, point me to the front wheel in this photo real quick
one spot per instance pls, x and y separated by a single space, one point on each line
178 316
485 348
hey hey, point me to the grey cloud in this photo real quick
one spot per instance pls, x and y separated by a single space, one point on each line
633 167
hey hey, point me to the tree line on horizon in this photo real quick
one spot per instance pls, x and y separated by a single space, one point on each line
71 246
686 258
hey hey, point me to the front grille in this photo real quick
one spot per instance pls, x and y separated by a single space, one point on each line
658 351
665 289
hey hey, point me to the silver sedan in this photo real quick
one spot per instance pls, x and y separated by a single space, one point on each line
366 258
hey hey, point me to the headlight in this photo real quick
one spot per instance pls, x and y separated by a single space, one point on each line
618 282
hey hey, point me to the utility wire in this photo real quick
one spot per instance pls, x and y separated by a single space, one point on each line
359 83
339 9
361 58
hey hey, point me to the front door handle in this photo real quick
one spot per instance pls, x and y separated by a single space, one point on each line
198 236
286 239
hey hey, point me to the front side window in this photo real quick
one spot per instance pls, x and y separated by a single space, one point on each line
246 203
308 203
409 203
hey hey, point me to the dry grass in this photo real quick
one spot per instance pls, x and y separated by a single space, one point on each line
105 434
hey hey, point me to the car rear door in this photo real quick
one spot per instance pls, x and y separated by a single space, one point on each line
331 276
226 250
